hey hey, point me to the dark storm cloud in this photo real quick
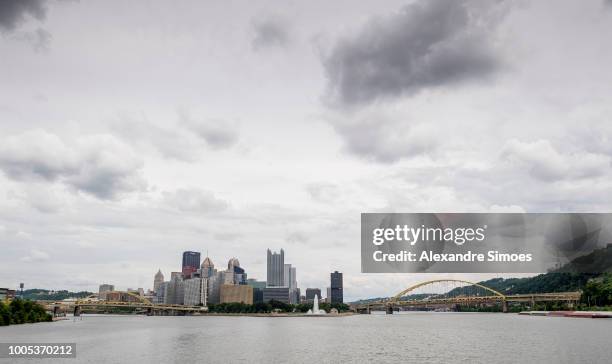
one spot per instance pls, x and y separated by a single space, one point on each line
15 12
426 44
270 33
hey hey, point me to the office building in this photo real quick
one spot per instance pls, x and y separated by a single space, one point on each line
293 280
234 273
161 292
158 280
195 292
286 275
294 296
276 269
258 287
174 291
214 287
103 289
191 263
336 288
207 268
6 294
116 296
258 295
311 292
256 284
236 293
276 293
290 281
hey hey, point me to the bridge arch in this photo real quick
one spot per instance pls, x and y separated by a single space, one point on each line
412 288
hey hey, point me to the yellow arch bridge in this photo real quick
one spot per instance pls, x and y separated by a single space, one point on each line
450 293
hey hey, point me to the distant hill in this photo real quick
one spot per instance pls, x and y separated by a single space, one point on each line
44 294
568 278
599 260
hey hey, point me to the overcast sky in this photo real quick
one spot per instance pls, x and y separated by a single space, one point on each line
131 131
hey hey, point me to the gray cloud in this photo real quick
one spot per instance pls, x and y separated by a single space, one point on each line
184 140
170 142
99 165
36 154
323 192
40 39
271 32
14 12
426 44
217 133
297 237
194 200
375 136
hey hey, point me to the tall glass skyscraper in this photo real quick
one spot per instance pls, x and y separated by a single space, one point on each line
191 263
336 287
276 269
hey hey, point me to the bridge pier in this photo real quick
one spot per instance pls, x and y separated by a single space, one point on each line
389 309
504 306
77 311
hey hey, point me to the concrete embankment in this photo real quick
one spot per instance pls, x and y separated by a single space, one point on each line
580 314
280 314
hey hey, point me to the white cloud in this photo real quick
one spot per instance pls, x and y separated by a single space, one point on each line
35 255
542 161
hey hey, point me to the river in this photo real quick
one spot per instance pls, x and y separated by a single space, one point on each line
410 337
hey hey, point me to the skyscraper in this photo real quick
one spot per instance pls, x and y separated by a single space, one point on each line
196 292
293 280
290 281
174 291
191 263
234 273
311 292
276 269
287 275
158 280
336 287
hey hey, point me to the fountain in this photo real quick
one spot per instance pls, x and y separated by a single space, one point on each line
315 307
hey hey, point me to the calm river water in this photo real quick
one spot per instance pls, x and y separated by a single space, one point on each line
412 337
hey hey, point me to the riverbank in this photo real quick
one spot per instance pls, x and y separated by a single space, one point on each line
578 314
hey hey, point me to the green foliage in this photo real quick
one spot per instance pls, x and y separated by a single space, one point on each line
341 307
549 282
5 315
37 294
598 291
20 311
236 307
271 306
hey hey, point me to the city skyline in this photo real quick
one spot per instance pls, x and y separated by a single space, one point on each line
202 284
